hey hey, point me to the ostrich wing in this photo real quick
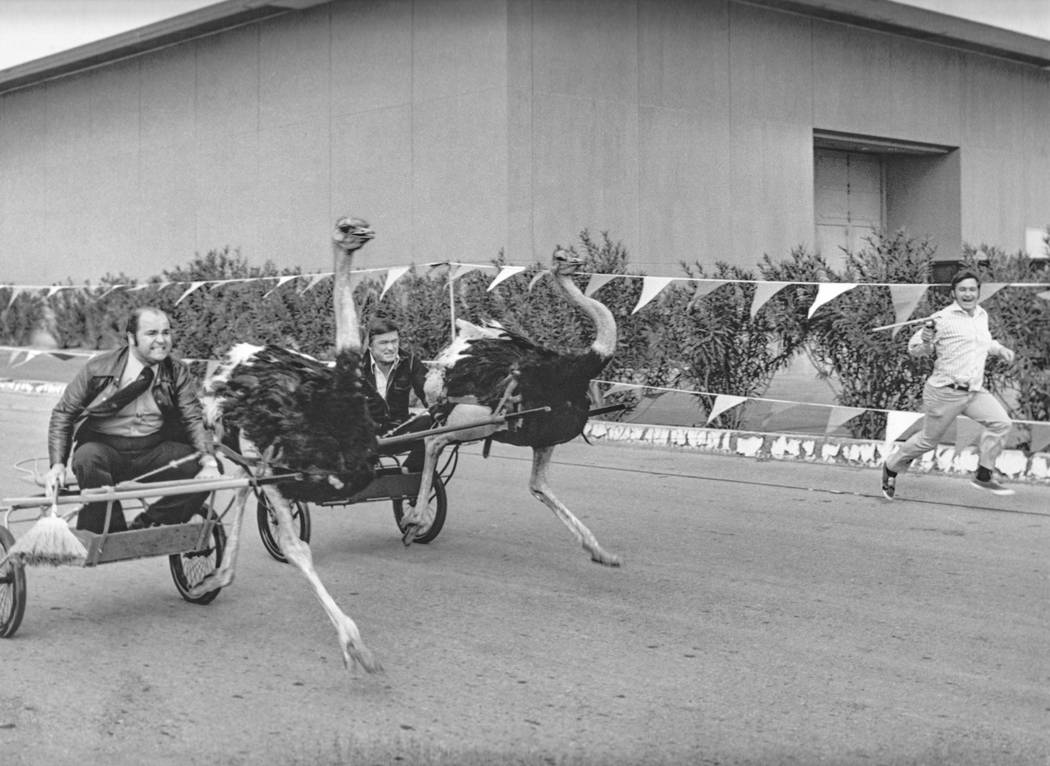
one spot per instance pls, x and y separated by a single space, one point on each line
312 415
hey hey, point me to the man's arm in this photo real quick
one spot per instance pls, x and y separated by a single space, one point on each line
418 370
60 428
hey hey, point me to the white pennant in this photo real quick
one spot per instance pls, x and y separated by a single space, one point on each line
461 269
598 281
281 281
651 287
392 276
840 415
30 354
15 292
763 292
505 273
193 287
56 288
1045 295
905 298
704 287
724 402
829 291
315 279
897 423
988 289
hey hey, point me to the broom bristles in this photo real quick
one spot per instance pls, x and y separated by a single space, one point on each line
49 542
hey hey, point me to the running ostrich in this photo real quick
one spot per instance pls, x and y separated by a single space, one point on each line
304 416
487 369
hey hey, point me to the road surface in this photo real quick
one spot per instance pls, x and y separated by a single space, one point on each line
767 613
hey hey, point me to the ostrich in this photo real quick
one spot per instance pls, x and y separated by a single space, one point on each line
486 369
304 416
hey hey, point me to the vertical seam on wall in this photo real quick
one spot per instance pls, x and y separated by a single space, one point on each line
414 224
196 144
331 117
532 129
732 131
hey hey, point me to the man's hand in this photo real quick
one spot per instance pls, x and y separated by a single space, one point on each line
55 479
929 332
209 468
1007 354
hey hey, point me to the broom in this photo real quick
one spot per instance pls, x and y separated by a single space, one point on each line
49 542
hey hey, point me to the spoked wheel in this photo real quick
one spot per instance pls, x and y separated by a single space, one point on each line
438 501
188 569
12 588
268 524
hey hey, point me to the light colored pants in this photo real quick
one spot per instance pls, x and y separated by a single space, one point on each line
941 407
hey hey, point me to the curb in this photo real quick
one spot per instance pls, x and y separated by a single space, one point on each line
1013 464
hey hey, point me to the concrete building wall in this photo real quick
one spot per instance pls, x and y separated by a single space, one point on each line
463 127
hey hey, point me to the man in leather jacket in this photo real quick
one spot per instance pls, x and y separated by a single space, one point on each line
120 435
391 375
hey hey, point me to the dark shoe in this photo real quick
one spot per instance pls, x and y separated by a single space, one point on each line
991 485
889 484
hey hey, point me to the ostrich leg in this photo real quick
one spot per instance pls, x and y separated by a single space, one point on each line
298 553
421 516
540 489
223 576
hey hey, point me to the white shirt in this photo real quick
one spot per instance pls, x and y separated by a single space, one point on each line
962 345
382 379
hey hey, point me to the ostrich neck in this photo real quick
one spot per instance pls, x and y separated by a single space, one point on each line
347 329
605 325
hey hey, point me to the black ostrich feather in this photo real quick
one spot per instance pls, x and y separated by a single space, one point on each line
545 378
312 415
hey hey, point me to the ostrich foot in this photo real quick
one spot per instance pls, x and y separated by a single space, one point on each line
354 649
415 523
211 582
599 556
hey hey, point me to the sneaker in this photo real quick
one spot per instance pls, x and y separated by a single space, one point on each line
991 485
889 484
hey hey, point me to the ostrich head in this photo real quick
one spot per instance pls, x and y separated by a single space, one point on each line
351 234
565 262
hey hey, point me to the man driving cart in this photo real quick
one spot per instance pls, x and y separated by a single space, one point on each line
130 411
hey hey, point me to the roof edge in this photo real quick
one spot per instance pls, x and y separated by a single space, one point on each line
922 24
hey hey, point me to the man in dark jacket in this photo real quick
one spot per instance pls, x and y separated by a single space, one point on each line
129 411
392 375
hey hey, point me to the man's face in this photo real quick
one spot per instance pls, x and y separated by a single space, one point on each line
152 342
384 347
966 293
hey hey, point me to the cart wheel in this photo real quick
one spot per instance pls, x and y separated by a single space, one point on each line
188 569
438 500
12 588
268 524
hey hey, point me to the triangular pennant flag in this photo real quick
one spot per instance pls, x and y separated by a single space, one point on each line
1045 295
967 431
703 287
162 285
16 354
898 422
110 289
281 281
651 287
392 275
210 367
136 288
461 269
193 286
598 281
763 292
62 355
905 298
315 279
827 291
722 403
30 354
988 289
15 292
536 278
1039 438
840 415
56 288
505 273
615 387
776 408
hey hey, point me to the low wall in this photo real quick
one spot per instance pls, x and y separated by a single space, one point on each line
1013 464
